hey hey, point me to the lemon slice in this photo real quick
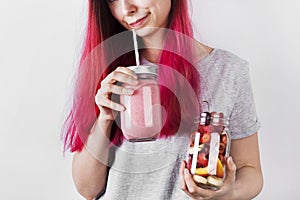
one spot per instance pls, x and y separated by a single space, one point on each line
200 179
214 180
202 171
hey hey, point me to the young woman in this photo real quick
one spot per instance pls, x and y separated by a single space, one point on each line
107 166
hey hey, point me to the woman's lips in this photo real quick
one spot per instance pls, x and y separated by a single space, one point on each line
138 22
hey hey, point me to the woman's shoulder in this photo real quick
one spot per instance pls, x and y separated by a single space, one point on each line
223 61
216 56
225 56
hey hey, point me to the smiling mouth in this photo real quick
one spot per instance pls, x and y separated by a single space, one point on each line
138 22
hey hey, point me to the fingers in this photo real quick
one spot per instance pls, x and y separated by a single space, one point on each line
121 74
108 87
189 186
125 70
103 101
187 183
111 88
192 188
181 176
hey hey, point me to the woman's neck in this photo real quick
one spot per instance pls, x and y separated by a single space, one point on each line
199 53
152 55
153 45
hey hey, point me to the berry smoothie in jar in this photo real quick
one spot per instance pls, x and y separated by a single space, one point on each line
142 120
208 149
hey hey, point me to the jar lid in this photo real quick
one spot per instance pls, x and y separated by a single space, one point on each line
218 119
204 118
212 118
144 69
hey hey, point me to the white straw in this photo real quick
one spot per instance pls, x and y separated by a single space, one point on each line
137 57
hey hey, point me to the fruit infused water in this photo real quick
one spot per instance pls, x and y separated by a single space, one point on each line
208 149
142 121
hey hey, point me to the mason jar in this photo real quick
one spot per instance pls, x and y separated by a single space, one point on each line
142 120
208 149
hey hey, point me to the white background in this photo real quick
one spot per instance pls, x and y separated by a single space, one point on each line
39 47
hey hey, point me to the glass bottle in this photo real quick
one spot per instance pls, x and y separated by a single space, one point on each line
142 121
209 147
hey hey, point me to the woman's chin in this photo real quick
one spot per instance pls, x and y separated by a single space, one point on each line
149 31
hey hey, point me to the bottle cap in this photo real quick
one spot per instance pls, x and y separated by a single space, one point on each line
204 118
218 119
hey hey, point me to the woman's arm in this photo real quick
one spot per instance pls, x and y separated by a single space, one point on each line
89 168
90 165
249 179
244 176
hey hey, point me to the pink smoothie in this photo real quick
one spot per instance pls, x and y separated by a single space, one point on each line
142 117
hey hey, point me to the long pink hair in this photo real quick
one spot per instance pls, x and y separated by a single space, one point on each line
101 26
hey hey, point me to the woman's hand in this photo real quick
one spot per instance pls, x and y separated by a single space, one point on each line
195 192
107 106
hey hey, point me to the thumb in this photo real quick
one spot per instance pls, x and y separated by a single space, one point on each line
230 170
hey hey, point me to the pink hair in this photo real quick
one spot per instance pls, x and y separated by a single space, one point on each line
101 25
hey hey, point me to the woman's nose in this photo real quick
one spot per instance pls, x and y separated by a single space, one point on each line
128 7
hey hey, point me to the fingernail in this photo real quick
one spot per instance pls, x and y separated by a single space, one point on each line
134 82
183 163
129 91
120 108
230 160
186 171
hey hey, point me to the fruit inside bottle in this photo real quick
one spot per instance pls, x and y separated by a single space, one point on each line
206 156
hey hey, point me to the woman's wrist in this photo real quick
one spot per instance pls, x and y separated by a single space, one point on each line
98 140
102 125
234 193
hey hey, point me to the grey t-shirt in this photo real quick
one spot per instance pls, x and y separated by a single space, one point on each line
150 170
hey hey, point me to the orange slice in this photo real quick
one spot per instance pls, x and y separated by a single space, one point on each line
220 169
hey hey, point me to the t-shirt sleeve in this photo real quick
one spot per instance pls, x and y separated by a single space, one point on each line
243 120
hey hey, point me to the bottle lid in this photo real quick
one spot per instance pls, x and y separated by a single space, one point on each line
212 118
218 119
205 118
144 69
